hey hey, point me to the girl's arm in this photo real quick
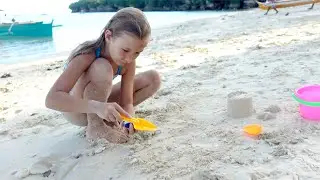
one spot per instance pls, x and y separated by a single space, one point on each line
58 97
127 85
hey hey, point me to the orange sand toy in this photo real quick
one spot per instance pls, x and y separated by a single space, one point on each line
253 129
141 124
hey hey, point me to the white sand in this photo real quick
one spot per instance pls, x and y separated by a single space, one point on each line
201 63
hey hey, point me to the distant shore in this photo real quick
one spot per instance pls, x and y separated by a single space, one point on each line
85 6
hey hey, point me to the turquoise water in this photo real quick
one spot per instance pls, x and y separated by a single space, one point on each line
77 28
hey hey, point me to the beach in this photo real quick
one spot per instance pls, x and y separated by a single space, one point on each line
200 62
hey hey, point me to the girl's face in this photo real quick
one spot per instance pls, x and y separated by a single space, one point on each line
125 48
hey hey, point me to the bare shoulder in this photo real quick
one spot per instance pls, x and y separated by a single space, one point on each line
73 71
80 62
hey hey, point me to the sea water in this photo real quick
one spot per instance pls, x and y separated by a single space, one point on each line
78 27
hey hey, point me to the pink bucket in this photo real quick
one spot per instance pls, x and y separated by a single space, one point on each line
309 98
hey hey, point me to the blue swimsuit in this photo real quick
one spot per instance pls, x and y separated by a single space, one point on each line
98 54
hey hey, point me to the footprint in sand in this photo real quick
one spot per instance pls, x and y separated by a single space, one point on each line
205 175
40 167
63 169
23 173
43 167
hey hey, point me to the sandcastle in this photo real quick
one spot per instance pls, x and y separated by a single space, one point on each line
239 104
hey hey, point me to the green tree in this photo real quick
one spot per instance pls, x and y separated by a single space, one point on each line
113 5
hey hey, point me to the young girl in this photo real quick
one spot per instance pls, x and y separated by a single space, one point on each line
84 91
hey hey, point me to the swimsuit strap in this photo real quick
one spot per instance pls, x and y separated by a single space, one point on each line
119 70
98 52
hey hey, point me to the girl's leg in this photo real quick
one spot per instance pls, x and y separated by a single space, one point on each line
275 9
267 11
311 6
146 84
97 85
79 119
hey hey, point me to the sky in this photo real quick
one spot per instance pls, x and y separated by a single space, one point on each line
36 6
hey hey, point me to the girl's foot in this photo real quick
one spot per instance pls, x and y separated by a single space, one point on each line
113 134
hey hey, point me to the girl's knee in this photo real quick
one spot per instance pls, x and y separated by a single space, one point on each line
155 79
100 70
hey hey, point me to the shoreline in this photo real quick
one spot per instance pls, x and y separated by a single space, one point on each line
59 56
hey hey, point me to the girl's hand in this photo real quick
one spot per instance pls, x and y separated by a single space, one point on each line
111 112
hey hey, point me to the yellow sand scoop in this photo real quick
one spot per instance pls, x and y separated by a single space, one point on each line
140 124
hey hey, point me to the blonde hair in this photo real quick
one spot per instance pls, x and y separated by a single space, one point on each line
130 20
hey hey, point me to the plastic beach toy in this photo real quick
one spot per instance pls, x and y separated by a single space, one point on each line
140 124
253 129
308 98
